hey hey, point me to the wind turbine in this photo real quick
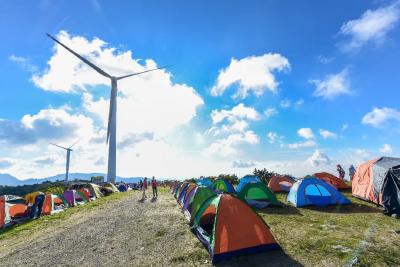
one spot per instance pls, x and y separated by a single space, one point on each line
112 114
69 149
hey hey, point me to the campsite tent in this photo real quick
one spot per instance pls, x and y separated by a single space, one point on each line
179 189
111 186
378 181
332 180
94 189
257 195
188 193
53 204
205 182
122 187
12 208
313 191
223 185
247 179
228 227
74 197
279 183
194 201
188 187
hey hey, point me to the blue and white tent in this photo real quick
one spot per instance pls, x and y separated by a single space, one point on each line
313 191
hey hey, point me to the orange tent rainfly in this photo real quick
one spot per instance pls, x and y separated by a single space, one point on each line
228 227
280 184
332 180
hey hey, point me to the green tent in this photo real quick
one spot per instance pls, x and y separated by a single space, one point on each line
110 185
257 195
197 199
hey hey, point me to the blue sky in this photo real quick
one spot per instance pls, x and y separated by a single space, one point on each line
296 87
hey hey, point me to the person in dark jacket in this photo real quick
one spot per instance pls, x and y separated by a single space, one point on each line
36 209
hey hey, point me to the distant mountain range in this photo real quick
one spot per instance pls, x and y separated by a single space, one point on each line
7 179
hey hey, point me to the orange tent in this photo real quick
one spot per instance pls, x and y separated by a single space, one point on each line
229 227
280 183
332 180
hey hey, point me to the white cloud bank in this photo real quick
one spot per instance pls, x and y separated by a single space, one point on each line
386 149
319 158
251 74
332 85
378 117
372 27
327 134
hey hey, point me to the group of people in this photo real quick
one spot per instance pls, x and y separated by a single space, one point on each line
342 173
143 186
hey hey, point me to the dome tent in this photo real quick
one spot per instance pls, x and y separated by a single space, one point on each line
313 191
228 228
195 200
378 181
223 185
247 179
257 195
280 183
332 180
205 182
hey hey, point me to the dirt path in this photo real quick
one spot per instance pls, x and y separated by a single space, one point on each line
121 233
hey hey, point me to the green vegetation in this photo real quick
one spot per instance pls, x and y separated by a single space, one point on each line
264 175
337 235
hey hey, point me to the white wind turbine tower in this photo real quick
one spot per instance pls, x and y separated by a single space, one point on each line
112 114
69 149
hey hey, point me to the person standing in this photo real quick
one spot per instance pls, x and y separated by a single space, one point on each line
352 171
36 209
340 171
154 186
144 187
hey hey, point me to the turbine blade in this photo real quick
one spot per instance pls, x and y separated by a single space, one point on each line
80 57
110 113
59 146
138 73
77 141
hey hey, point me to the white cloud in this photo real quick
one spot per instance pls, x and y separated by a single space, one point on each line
251 74
372 27
269 112
327 134
332 85
47 125
273 137
319 158
379 116
386 149
344 127
306 133
243 164
226 147
307 143
238 112
325 60
6 163
285 103
24 62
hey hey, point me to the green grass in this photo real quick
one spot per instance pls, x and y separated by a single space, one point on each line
335 235
45 221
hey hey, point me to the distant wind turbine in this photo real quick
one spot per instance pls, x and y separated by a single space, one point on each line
69 149
112 114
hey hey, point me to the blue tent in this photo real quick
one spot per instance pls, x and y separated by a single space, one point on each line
313 191
245 180
205 182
